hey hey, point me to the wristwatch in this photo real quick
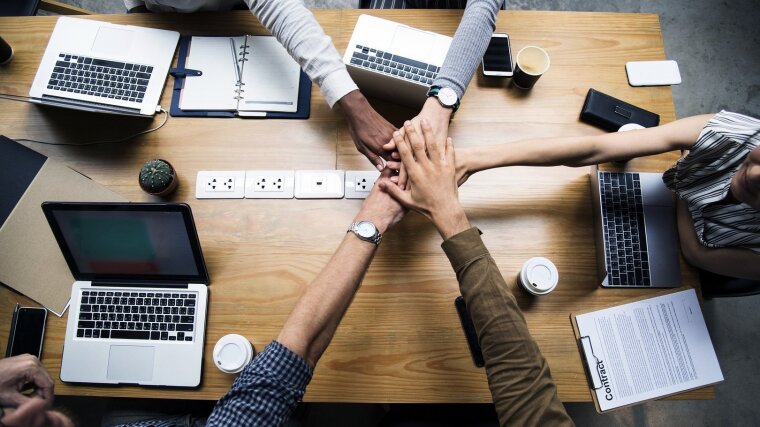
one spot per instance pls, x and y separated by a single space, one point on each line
366 231
446 97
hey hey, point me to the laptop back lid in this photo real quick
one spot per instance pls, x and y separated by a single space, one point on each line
130 244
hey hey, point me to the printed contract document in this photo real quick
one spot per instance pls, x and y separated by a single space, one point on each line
647 349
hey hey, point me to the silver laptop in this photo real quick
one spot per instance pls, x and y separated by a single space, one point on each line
395 62
636 235
137 313
101 67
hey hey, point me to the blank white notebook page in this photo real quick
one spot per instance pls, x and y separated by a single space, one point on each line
216 88
271 77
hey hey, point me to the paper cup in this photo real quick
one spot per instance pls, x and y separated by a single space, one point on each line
539 276
232 353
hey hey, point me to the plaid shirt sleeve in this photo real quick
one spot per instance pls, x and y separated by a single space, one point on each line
266 392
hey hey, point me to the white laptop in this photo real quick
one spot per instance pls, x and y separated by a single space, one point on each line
102 67
138 307
395 62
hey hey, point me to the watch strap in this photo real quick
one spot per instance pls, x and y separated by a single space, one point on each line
373 239
434 90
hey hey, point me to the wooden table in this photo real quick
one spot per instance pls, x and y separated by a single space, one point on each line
401 340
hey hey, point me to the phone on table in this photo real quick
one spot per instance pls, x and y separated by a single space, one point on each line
497 60
653 73
469 332
27 331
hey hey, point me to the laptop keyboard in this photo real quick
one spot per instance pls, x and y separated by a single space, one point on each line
99 77
625 247
394 65
155 316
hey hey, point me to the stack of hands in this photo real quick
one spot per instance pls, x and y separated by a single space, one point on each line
26 394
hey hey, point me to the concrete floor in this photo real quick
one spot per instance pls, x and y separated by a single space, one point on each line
716 46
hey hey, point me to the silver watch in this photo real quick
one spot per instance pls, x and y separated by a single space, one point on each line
366 231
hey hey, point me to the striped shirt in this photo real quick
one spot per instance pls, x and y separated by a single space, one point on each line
703 180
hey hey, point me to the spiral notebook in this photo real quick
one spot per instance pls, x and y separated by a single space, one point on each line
244 76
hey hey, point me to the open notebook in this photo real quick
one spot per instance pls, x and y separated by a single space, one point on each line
246 75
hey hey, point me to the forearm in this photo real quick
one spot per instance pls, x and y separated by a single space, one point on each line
312 323
469 44
298 31
731 262
518 375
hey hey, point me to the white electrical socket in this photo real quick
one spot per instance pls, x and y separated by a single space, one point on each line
220 185
269 184
359 183
325 184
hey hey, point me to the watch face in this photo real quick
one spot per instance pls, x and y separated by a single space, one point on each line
447 96
366 229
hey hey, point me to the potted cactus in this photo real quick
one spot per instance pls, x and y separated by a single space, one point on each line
158 177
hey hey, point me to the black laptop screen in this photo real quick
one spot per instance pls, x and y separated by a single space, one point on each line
131 244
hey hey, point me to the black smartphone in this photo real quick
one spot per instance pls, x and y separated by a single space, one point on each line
469 332
497 60
27 331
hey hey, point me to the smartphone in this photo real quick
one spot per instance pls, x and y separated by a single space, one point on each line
497 60
27 331
653 73
469 332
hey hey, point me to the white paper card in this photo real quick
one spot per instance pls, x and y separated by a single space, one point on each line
215 89
271 77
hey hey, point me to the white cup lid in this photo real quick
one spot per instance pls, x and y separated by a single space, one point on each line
630 126
232 352
539 276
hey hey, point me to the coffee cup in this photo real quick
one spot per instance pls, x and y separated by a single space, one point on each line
532 62
6 52
232 353
539 276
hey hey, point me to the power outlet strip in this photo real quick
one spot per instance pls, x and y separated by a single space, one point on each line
359 183
269 184
220 185
319 184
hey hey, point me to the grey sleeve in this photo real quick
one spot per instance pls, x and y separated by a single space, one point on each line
469 44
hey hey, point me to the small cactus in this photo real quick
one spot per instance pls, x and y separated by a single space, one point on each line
157 177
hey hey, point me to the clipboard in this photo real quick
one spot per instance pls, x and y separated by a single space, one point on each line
181 73
590 360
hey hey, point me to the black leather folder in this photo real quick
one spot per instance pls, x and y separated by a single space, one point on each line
610 113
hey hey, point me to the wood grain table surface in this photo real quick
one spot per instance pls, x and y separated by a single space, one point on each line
401 340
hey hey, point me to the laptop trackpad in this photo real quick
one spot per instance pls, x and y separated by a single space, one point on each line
113 41
130 363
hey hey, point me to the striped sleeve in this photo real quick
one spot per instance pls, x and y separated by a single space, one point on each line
703 180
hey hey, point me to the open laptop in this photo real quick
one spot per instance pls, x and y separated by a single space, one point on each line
636 235
393 61
138 307
101 67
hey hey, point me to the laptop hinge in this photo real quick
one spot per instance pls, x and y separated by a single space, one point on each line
126 283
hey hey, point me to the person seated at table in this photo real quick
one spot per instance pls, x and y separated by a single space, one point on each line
717 182
19 408
518 376
295 27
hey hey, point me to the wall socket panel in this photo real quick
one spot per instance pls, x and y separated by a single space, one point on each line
359 183
269 184
220 185
319 184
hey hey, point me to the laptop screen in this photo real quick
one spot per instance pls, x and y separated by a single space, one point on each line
129 241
